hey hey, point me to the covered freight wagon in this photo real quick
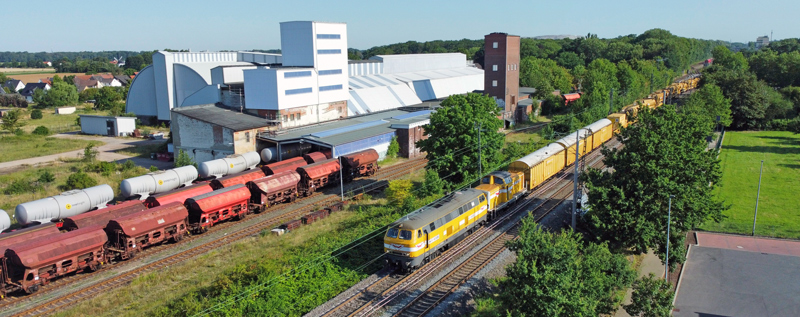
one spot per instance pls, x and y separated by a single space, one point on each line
130 234
102 216
285 165
540 165
34 263
314 157
318 175
273 189
361 163
179 195
237 179
209 209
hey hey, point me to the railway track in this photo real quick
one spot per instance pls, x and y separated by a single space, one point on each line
384 291
279 213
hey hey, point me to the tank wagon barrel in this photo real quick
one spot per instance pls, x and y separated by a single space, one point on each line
287 151
237 179
5 220
361 163
158 182
102 216
230 165
67 204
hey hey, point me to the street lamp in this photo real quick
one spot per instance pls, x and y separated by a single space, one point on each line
758 193
669 219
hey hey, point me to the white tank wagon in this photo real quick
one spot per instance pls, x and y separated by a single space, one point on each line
68 204
5 221
287 151
158 182
230 165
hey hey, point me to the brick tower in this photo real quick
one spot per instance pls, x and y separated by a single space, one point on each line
501 72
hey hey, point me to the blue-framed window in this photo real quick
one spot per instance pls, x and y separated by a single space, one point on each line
331 87
298 91
328 36
337 51
297 74
330 72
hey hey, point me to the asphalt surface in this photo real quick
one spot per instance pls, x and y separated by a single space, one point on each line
734 282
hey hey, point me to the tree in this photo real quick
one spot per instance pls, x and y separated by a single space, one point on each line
47 177
399 192
432 186
36 114
452 143
80 180
11 120
709 101
664 154
749 96
107 98
569 60
652 297
62 94
544 75
394 148
556 274
724 58
89 153
135 62
41 130
88 94
183 159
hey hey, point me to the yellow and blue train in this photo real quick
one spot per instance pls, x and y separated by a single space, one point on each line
420 236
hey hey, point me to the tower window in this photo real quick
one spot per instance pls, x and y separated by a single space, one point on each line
494 68
494 45
494 83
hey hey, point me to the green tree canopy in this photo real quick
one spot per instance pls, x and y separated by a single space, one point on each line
556 274
709 101
452 143
652 297
12 120
60 95
544 75
664 154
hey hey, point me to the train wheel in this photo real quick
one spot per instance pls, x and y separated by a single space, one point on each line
177 238
32 289
242 215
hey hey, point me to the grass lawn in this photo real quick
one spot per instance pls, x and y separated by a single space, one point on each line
741 156
25 146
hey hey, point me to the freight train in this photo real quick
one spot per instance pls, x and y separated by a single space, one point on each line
159 211
420 236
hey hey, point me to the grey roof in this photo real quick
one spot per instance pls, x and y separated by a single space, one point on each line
224 117
525 102
105 117
29 88
527 90
363 61
347 130
12 83
438 209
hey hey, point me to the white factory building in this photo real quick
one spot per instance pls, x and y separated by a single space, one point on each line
311 80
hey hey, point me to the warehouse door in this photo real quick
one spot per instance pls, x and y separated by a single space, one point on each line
110 128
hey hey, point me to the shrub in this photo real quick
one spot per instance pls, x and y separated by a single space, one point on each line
41 130
128 165
20 186
47 177
80 180
153 168
394 148
36 114
89 153
183 159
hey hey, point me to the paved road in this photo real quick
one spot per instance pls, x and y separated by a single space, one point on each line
106 152
650 264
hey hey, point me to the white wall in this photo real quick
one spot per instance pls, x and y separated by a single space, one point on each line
65 110
360 69
125 125
403 63
142 95
162 74
297 44
261 88
94 125
222 75
206 95
261 58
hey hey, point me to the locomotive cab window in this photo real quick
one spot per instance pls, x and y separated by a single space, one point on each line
419 233
482 198
405 234
433 226
487 180
392 233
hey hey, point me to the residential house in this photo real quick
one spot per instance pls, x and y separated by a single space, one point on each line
28 90
96 81
48 63
14 85
123 79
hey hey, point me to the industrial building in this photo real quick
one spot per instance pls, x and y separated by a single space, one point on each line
310 82
211 131
105 125
501 80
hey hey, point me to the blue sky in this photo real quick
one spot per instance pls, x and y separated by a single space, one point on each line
90 25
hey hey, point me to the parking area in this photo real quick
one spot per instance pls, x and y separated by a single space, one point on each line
730 275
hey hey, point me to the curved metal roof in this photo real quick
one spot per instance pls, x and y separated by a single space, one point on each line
540 155
598 125
569 140
430 213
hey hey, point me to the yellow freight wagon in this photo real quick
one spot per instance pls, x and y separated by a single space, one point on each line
539 165
568 142
601 132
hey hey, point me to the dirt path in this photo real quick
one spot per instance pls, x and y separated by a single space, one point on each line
106 152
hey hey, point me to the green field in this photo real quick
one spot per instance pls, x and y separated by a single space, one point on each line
778 214
26 146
